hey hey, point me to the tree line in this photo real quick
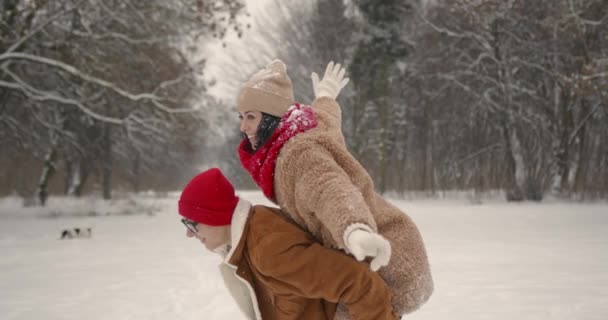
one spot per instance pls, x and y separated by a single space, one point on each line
104 89
445 95
459 95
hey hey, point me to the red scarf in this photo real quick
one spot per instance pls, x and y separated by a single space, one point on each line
261 163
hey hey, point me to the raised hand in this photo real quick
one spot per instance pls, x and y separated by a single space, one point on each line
332 83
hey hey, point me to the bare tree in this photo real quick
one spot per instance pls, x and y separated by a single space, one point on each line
513 63
97 76
477 95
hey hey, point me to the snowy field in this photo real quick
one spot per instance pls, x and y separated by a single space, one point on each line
490 261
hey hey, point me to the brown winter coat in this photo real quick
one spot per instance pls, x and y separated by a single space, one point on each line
325 190
294 277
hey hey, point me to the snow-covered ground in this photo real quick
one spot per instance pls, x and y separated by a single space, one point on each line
490 261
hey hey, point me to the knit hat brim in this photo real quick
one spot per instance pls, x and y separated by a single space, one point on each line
255 100
269 90
213 218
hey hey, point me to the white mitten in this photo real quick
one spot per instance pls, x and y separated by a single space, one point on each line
362 243
332 83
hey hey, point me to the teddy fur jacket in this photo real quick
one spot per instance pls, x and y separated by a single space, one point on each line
323 188
276 270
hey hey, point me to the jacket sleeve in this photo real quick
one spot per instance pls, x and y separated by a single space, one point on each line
323 188
292 263
328 110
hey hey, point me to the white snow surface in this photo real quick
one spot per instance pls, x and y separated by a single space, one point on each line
494 260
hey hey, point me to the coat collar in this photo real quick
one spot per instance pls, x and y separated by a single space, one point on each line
237 229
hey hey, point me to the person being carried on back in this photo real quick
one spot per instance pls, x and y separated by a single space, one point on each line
297 155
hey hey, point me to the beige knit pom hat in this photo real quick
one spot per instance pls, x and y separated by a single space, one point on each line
268 90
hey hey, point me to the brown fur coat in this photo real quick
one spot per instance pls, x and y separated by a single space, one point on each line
327 191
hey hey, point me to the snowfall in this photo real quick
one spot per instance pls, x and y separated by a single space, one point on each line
490 260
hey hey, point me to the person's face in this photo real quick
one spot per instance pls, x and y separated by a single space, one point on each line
211 237
250 120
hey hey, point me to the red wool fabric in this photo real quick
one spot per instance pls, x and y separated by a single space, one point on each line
208 199
261 163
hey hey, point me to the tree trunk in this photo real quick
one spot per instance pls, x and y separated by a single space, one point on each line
106 166
136 172
77 178
386 144
517 192
382 162
47 172
429 166
580 156
401 164
69 171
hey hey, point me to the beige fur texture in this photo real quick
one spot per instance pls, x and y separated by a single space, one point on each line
325 189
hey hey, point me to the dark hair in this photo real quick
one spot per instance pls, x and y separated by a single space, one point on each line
268 124
266 128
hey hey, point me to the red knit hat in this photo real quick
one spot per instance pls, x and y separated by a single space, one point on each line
208 199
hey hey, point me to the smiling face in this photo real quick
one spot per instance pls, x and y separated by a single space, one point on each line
211 237
250 121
